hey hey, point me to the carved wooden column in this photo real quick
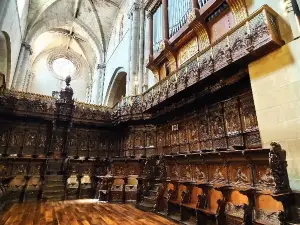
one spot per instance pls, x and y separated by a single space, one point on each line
165 20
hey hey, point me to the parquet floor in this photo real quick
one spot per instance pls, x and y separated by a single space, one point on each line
79 212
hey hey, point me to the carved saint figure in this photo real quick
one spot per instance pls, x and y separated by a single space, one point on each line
42 141
194 132
187 172
218 176
267 179
217 126
199 174
30 140
174 172
241 177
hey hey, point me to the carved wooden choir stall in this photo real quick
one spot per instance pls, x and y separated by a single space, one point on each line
188 148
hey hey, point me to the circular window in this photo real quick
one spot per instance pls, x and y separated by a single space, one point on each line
63 67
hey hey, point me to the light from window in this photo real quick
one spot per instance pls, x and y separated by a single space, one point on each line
63 67
21 5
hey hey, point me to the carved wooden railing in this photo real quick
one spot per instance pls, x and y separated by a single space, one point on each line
253 35
23 103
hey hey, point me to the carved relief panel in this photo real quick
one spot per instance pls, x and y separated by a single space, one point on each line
30 140
119 169
57 142
173 171
83 143
150 141
200 173
102 147
4 136
204 131
218 174
186 172
19 168
5 169
160 135
217 126
133 169
42 141
249 121
93 145
16 140
72 144
168 140
183 140
35 168
192 134
240 175
264 179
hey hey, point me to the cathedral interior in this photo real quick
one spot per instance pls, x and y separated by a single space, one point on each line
149 112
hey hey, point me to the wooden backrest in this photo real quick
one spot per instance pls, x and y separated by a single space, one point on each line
194 195
118 182
132 181
181 188
213 197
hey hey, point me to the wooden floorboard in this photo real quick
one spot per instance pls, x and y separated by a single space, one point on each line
79 212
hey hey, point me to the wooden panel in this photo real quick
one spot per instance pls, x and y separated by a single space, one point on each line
221 25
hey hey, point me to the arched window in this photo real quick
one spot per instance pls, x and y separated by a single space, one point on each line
21 5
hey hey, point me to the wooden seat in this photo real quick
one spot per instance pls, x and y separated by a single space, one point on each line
177 199
194 198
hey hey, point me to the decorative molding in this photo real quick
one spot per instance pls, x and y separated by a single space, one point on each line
239 10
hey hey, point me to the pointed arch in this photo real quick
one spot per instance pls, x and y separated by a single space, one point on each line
117 87
5 56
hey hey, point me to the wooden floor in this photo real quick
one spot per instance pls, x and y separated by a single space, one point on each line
81 212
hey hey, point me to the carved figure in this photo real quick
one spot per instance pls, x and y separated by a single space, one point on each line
174 172
187 173
199 174
218 176
278 167
241 177
267 179
30 140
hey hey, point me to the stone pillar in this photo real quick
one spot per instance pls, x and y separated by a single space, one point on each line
134 15
141 52
102 80
150 43
97 84
292 18
22 65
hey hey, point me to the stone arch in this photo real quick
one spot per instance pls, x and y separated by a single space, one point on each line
5 56
117 87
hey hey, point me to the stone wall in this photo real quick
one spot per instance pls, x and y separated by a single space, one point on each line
275 81
10 23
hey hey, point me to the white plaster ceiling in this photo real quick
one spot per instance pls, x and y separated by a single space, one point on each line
90 22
